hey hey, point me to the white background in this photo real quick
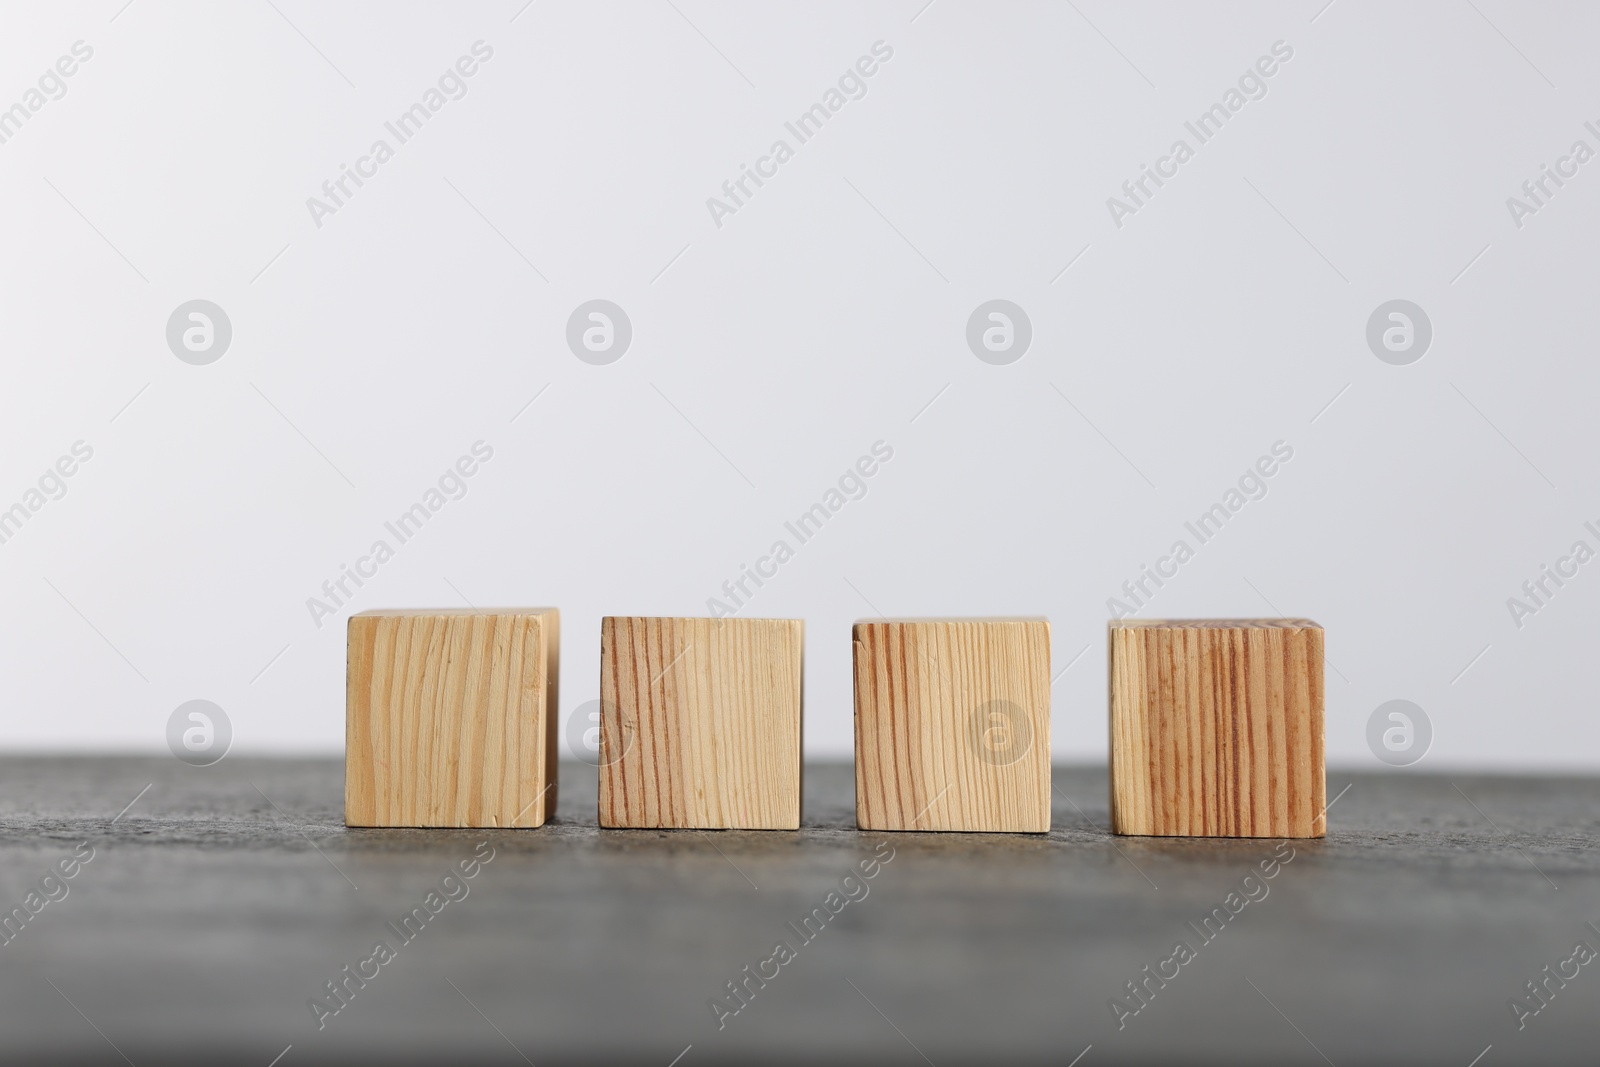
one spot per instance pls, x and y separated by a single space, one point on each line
369 353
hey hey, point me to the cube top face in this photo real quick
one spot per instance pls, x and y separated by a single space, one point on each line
450 718
953 725
448 613
700 723
1213 624
1217 728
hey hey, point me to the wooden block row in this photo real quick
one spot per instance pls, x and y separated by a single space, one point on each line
1216 726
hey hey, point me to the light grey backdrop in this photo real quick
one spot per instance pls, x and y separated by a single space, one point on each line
1176 338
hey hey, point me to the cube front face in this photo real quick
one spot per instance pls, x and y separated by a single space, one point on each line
450 718
1217 728
953 725
700 723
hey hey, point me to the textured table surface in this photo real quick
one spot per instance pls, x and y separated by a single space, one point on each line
218 906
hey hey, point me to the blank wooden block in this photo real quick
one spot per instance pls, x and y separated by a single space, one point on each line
450 718
1216 728
953 724
700 723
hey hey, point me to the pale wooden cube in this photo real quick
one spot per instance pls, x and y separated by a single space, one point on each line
953 725
1216 728
700 723
450 718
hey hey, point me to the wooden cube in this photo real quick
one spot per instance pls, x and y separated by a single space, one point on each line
700 723
953 724
450 718
1216 728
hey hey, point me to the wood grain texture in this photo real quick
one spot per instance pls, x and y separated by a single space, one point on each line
1217 728
700 723
953 724
450 718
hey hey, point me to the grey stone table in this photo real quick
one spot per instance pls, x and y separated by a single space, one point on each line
219 905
